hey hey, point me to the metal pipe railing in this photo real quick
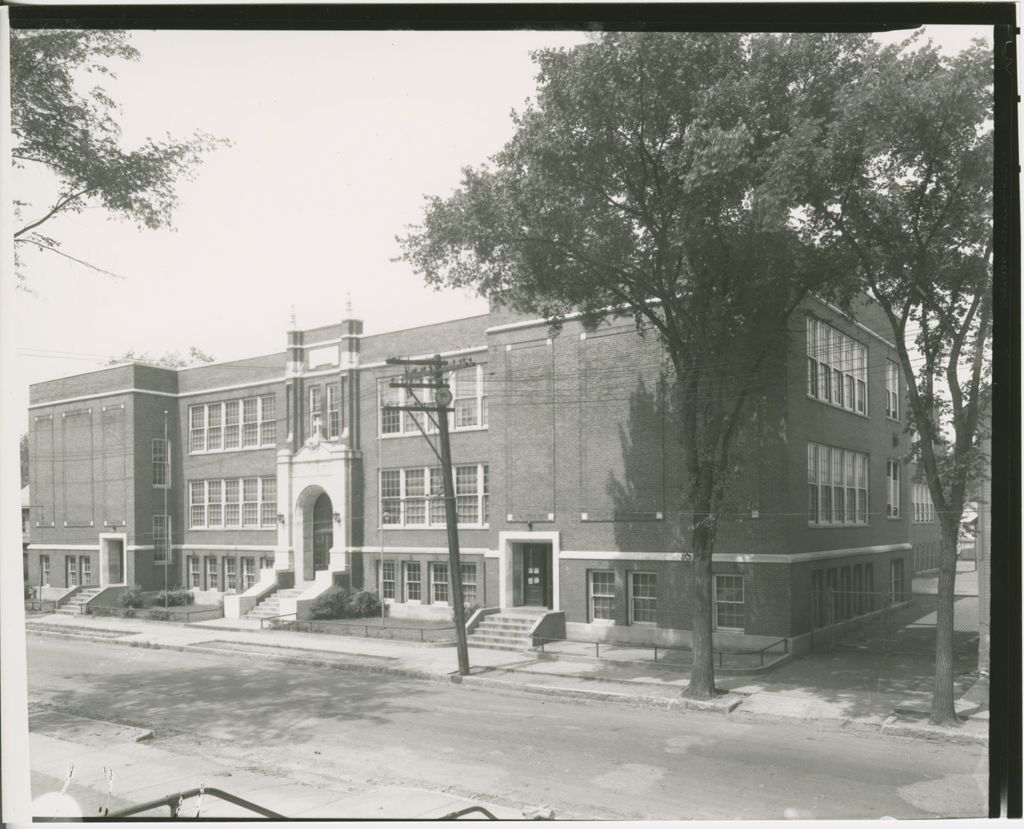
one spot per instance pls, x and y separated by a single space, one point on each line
175 801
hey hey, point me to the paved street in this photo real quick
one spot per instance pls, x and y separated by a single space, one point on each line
352 731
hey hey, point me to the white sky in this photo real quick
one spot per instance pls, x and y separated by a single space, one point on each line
338 135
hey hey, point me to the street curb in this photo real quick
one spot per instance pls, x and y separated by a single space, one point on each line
722 705
140 734
648 663
932 733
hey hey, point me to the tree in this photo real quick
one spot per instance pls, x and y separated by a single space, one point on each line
77 138
634 182
901 179
171 359
23 451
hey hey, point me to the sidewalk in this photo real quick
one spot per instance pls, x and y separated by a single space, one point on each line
836 691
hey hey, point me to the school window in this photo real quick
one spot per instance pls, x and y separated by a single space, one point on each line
195 576
315 411
248 573
892 479
469 404
161 539
233 502
892 390
411 577
818 597
267 563
438 583
602 595
161 463
44 570
414 497
643 598
836 486
212 574
729 602
333 410
924 509
233 424
837 367
896 579
468 585
230 575
86 563
387 579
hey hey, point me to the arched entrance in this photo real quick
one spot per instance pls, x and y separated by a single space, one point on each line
323 532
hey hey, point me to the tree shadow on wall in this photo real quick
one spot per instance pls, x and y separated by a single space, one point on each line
652 475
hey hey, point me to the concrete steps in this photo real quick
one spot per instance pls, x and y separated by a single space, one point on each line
271 605
75 606
507 631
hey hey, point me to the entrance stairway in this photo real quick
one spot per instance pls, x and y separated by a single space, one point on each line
506 631
271 606
75 606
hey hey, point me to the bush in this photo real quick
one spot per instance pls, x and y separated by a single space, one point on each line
133 597
158 614
330 604
362 603
29 591
174 598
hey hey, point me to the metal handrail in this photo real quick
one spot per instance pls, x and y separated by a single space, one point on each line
40 604
468 811
760 652
278 616
174 803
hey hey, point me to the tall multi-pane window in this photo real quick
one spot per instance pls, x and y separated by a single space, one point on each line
411 577
233 502
230 575
892 390
161 539
195 575
233 424
212 574
836 485
197 503
316 413
643 598
387 579
467 385
892 479
87 570
248 572
468 584
729 602
414 497
836 367
438 582
333 410
469 404
72 570
924 508
390 417
44 570
897 582
602 595
161 462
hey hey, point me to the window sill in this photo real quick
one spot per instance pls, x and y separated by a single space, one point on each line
838 408
418 434
609 622
247 527
226 451
434 527
850 526
644 624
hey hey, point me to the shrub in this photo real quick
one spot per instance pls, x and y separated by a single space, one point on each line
174 598
29 591
128 613
362 603
330 604
133 597
158 614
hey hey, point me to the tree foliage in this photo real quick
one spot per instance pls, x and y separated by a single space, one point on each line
171 359
638 180
900 180
76 136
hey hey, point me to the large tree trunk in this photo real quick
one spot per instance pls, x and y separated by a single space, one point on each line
942 698
702 674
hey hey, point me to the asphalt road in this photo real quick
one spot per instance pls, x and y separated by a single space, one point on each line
585 760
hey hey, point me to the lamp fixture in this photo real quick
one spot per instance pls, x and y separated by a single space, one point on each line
280 518
337 518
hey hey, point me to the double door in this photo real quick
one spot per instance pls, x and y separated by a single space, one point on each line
534 574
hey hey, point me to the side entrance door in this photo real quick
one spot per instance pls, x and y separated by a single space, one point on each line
322 540
536 562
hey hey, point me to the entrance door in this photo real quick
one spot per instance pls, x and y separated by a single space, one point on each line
536 564
115 561
323 532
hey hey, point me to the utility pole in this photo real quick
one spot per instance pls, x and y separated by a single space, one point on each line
434 369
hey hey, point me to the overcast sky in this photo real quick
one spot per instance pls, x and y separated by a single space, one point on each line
337 137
